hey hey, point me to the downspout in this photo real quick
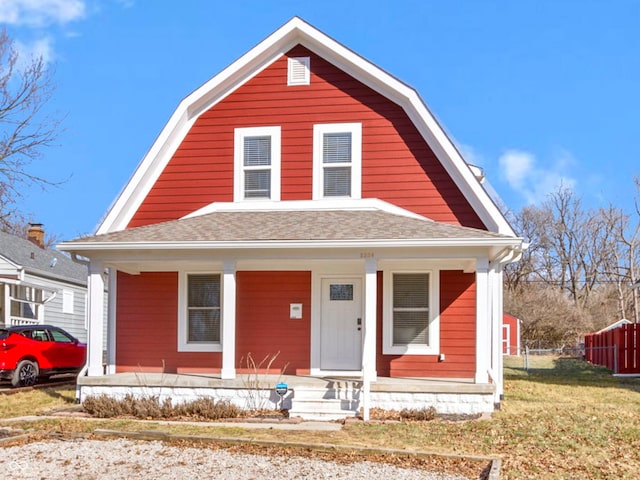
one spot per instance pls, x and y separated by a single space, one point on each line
81 261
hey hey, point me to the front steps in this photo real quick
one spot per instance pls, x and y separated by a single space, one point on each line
338 400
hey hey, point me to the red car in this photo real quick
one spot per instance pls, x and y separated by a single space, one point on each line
29 352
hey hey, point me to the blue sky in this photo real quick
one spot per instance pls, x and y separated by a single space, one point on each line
536 92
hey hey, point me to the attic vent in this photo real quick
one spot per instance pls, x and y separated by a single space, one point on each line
299 71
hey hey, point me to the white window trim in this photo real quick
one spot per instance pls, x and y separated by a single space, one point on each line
292 80
356 157
388 348
238 156
183 323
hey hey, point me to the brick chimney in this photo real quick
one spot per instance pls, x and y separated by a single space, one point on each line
36 234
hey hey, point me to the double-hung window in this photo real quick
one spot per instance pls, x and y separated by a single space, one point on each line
26 303
411 325
257 163
200 312
337 160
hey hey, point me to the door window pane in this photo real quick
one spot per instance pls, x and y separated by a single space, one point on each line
341 292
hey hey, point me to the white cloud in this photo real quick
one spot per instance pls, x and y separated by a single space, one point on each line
516 167
521 171
39 13
27 52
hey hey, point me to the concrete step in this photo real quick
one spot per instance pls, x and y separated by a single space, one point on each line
314 403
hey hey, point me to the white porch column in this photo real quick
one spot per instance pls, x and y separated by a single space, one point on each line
483 322
370 311
369 372
95 324
228 320
111 321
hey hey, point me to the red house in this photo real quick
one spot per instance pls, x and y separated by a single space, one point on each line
306 202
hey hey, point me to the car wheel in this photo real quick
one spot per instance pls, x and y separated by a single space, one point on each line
25 374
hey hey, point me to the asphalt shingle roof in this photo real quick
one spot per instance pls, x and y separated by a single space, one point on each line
298 225
41 261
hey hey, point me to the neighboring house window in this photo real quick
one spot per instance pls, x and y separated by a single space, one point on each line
199 328
26 302
67 301
411 321
298 71
337 160
257 164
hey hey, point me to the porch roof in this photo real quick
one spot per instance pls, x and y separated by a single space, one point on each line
269 228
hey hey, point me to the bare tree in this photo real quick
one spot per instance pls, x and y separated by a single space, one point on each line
25 128
564 284
621 265
530 225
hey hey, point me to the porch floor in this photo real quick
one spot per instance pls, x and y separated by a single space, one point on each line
264 381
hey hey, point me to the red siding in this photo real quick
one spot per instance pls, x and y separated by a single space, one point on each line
147 328
457 334
263 326
398 166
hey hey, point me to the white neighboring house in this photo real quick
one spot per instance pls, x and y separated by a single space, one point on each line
40 285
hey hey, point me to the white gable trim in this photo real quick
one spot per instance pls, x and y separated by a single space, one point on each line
294 32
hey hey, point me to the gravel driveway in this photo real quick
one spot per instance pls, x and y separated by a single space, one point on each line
130 459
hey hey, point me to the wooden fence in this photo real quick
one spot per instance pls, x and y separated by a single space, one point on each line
617 349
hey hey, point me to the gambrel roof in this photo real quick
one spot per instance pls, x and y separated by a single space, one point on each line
298 32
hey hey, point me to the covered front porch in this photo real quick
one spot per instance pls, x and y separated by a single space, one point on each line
308 397
362 294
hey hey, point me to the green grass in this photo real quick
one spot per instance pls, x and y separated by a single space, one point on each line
561 419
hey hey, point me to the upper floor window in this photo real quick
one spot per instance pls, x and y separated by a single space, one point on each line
337 160
257 163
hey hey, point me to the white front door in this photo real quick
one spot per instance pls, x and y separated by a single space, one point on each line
341 324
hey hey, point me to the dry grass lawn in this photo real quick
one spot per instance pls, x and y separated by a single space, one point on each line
563 419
